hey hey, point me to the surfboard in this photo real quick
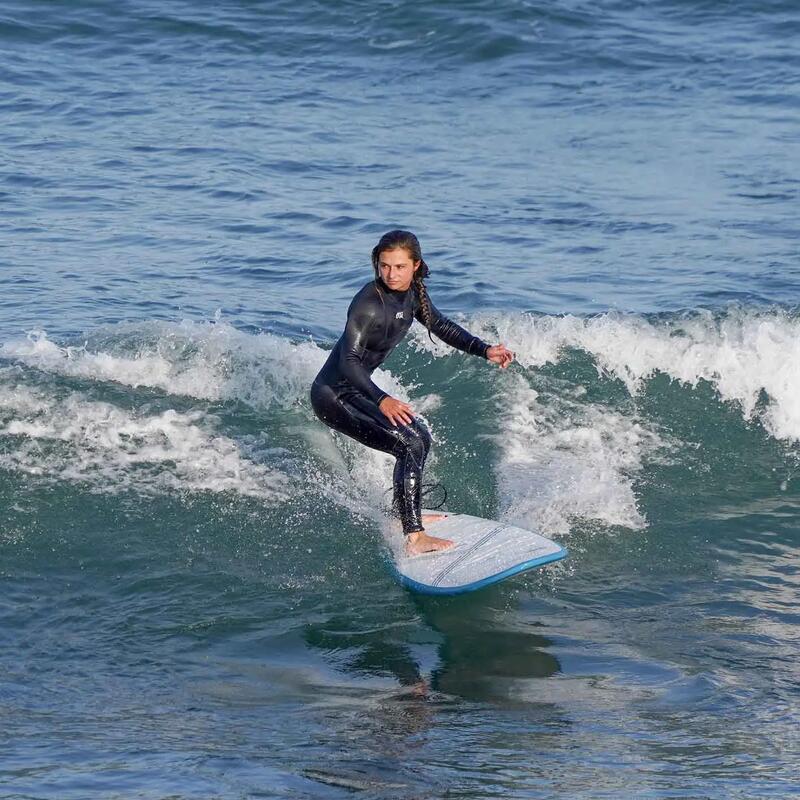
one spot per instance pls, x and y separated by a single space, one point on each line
485 552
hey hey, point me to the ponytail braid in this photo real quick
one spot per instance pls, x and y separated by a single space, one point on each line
422 295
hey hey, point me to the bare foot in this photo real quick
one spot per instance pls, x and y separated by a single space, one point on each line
428 519
419 542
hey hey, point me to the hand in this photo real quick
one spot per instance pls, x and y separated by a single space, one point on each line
499 354
396 411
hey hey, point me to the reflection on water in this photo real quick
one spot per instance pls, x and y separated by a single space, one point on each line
470 654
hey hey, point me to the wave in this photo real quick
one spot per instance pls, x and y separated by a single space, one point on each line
565 434
106 448
750 357
203 360
50 430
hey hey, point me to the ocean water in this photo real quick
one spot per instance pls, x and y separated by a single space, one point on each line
194 594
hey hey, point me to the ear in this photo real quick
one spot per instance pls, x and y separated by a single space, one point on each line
416 266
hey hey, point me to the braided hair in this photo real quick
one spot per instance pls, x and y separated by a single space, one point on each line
407 241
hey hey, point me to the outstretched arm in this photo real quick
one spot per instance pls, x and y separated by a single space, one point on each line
451 333
454 335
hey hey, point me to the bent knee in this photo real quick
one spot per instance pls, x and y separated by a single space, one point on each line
424 436
416 440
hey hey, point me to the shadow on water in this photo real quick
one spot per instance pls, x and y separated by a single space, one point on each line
458 662
460 648
480 661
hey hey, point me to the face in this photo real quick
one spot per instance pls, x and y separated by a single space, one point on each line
397 268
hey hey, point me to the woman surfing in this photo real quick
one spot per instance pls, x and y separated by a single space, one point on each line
344 397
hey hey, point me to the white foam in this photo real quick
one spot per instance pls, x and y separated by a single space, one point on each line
108 448
567 460
211 361
196 376
206 360
744 354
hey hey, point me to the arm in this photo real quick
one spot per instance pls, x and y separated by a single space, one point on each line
453 334
361 317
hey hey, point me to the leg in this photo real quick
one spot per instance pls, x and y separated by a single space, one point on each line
358 417
354 415
411 447
408 490
408 474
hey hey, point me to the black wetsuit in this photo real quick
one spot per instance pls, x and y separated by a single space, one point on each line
345 398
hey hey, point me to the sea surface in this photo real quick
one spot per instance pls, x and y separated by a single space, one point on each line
195 599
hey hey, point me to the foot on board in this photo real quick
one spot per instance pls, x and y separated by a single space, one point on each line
419 542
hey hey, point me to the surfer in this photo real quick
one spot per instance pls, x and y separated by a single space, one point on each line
344 397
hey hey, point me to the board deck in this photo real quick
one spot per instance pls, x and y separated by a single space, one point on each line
485 552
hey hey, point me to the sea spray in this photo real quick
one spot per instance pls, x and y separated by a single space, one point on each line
567 460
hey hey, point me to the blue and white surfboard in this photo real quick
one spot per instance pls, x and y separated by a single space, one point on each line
485 552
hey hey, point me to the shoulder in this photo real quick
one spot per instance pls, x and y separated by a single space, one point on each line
367 302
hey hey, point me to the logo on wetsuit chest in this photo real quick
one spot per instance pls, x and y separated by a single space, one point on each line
399 315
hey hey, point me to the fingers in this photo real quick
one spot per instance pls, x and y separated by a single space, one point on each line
404 413
397 412
501 356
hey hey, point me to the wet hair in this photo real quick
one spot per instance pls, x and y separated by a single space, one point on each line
405 239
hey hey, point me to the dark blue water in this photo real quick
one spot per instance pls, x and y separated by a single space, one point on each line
194 595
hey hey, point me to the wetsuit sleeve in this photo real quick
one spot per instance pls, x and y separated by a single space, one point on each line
453 334
362 316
